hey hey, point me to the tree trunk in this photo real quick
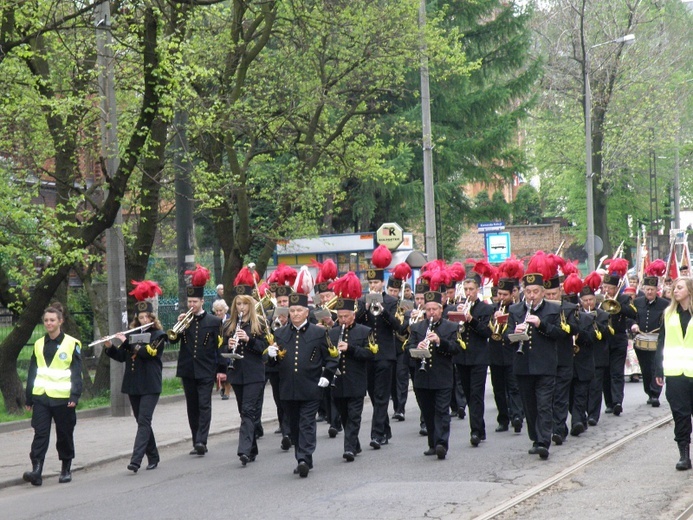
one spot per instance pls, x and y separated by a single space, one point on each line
601 227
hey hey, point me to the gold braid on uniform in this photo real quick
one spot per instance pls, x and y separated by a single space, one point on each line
372 345
460 341
334 351
564 323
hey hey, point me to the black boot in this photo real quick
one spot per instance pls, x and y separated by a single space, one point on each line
684 462
65 473
34 476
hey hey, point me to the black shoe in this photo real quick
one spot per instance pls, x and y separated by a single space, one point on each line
430 451
534 450
461 414
244 459
557 438
66 472
475 439
502 428
423 431
200 449
655 402
384 440
224 397
348 456
399 416
576 430
543 452
302 469
133 467
252 458
517 424
441 451
152 465
684 462
592 421
332 432
375 444
259 433
649 400
609 409
618 409
286 443
278 430
320 418
34 476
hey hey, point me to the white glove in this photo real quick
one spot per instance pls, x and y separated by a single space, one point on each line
324 382
272 351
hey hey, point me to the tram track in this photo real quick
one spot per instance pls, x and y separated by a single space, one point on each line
567 472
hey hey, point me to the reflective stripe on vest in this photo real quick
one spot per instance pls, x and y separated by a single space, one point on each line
678 350
54 380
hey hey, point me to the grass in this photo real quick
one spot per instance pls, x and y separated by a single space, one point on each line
170 386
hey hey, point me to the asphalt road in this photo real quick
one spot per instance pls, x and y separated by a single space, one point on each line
395 482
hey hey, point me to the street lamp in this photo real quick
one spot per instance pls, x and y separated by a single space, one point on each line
627 39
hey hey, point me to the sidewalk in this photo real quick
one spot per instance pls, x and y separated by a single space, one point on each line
100 438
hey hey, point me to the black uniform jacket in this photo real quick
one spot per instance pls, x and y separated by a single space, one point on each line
198 357
352 380
622 321
384 326
475 335
305 360
142 364
590 340
649 314
250 369
540 356
501 352
564 344
438 373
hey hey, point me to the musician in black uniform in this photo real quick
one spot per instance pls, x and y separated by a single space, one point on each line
199 361
472 362
142 378
650 309
564 352
384 325
501 355
400 371
244 337
351 381
282 293
618 343
433 376
591 338
306 366
535 368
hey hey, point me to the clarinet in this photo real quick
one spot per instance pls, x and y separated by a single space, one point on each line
235 356
422 368
338 372
520 349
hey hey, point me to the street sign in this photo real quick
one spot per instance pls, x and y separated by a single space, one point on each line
490 227
390 235
498 247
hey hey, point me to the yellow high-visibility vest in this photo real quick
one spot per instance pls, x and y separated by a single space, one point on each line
678 349
54 380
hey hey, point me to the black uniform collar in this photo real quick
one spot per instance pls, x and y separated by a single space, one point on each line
59 339
302 328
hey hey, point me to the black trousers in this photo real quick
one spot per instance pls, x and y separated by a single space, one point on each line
379 387
303 427
145 443
506 394
249 401
561 397
594 403
679 392
350 410
65 420
473 379
537 401
580 391
617 363
332 415
435 408
198 400
273 378
400 384
647 367
458 401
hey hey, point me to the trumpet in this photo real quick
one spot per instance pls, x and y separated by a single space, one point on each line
276 324
520 348
418 317
180 326
112 336
496 334
466 308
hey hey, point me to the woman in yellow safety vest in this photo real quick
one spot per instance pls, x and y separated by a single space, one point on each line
674 361
53 388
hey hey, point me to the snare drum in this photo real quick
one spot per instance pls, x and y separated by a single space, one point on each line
646 341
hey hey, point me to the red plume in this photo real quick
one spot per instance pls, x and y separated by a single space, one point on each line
593 280
401 271
433 265
304 281
283 275
572 284
558 261
511 268
438 278
618 266
264 289
656 268
381 257
570 267
541 264
246 277
327 270
486 270
199 277
458 272
347 286
145 289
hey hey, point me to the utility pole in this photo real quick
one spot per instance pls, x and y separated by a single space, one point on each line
184 206
429 196
115 252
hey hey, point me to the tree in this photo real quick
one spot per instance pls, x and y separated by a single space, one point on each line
527 206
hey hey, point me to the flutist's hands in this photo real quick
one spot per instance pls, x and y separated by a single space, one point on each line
342 346
117 341
533 319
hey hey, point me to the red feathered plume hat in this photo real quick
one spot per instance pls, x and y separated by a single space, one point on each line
198 279
539 268
348 289
245 280
381 259
145 292
302 288
399 274
512 268
283 275
653 272
618 267
592 283
327 272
